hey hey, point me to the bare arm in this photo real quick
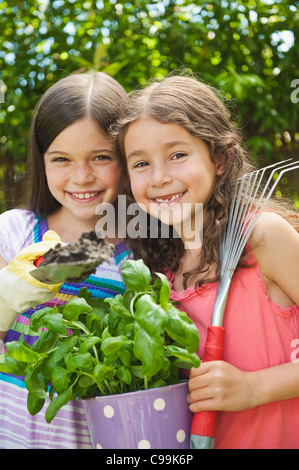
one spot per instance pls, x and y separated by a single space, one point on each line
276 247
218 385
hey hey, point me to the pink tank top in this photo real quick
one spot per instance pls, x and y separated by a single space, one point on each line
258 334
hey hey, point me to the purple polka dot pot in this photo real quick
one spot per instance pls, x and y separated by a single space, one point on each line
157 418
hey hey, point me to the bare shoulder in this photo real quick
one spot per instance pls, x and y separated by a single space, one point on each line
270 228
275 244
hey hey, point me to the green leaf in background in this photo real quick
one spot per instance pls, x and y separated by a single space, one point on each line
248 50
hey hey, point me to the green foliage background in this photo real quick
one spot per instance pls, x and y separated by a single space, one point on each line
247 49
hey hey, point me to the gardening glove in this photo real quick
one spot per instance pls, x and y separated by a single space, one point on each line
18 289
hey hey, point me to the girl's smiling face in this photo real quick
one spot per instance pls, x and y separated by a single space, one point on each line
168 168
82 170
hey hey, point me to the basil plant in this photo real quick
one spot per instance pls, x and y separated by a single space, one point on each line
91 347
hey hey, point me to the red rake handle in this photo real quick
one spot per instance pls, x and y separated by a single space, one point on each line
204 423
38 261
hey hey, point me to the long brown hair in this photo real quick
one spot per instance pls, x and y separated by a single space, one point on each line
201 110
74 97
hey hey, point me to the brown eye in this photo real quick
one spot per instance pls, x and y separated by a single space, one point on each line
178 155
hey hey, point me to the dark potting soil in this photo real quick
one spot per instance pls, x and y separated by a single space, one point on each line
88 249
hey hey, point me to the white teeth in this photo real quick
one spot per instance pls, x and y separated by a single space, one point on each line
84 195
173 198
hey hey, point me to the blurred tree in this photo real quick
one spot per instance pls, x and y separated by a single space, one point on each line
247 49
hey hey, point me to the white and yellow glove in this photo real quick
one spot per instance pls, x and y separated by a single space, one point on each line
18 289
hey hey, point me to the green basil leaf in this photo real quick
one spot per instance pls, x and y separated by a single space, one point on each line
116 304
113 344
36 382
64 348
8 365
158 383
124 375
84 293
57 403
85 381
45 342
149 315
48 366
55 323
78 361
89 343
34 403
102 372
94 322
150 351
137 371
164 290
75 307
20 352
180 328
60 379
127 298
125 357
136 275
187 359
37 318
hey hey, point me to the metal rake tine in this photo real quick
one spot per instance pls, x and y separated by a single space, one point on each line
234 218
262 171
233 251
235 207
243 210
254 218
283 169
248 201
269 166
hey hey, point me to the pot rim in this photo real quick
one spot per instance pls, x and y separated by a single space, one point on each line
138 392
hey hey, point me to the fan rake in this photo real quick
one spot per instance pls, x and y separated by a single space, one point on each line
251 195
